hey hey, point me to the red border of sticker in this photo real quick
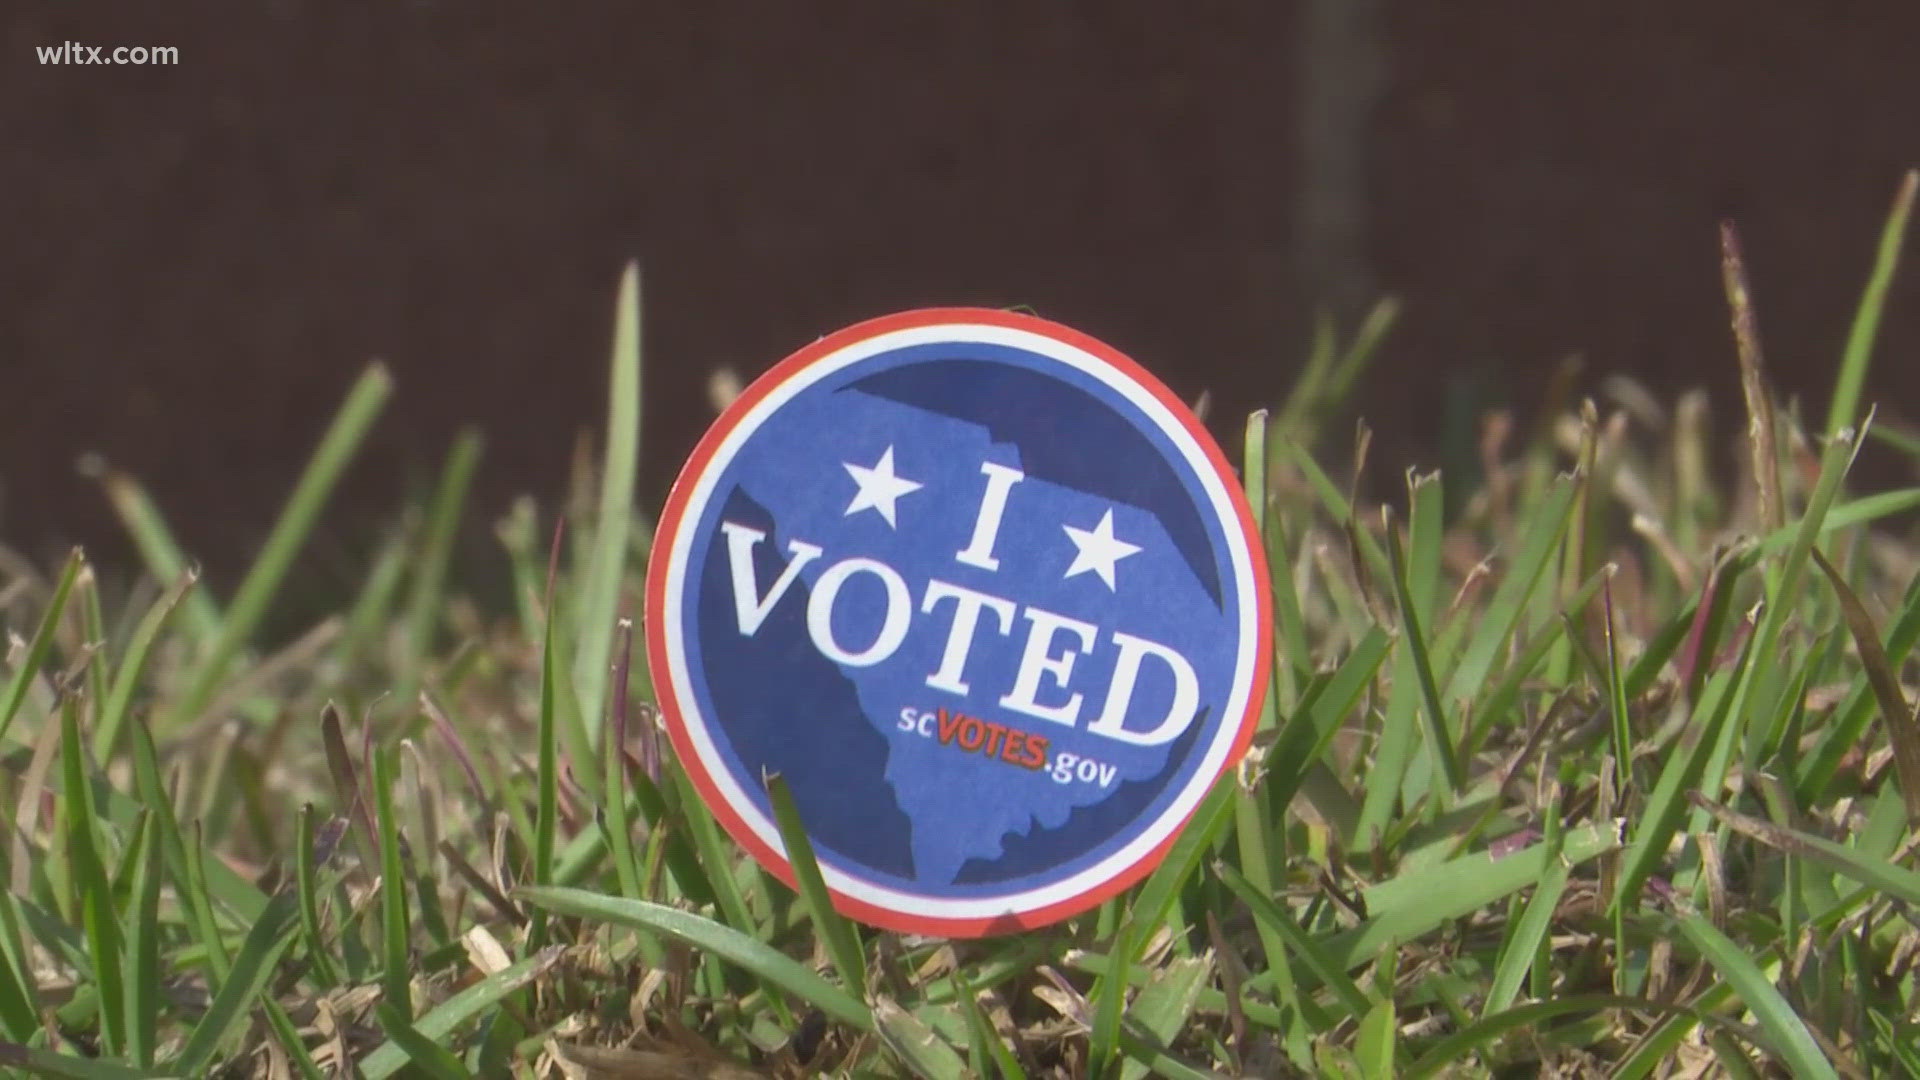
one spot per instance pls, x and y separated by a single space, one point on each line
670 520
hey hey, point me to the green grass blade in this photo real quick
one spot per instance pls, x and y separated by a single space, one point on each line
546 823
1862 511
1293 645
253 966
66 1067
1261 843
1791 1040
307 887
838 932
143 950
1660 816
1336 504
1331 973
289 535
984 1040
1843 412
1376 1043
1361 350
716 855
615 816
444 1019
1155 898
1414 903
180 864
127 679
1657 1046
368 618
99 658
1545 525
600 599
1297 409
1420 563
100 912
42 644
1107 1001
1622 727
1497 704
1141 1047
1902 440
428 599
1164 1005
1456 1047
426 1055
1439 741
669 837
1647 667
1731 1057
1308 732
576 741
1784 588
396 978
19 1014
1393 754
922 1048
1258 836
194 882
729 944
1523 945
292 1042
165 560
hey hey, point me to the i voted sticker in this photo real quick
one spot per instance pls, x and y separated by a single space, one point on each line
984 593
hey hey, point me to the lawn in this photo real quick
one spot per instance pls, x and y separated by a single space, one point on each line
1599 761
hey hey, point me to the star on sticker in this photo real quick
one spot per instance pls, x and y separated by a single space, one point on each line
1099 550
879 487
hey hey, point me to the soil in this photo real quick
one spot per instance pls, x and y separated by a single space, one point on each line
200 258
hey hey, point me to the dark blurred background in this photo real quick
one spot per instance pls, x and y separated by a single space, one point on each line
197 260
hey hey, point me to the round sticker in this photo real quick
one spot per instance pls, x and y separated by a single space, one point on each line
985 594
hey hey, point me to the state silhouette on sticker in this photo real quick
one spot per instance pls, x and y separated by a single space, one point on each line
988 597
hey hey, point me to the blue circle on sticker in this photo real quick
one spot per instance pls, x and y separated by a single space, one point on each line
987 596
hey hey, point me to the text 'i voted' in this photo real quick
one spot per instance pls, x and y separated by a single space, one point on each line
1051 641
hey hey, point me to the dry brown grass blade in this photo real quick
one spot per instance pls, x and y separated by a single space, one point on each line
615 1063
296 657
443 724
34 801
1233 976
502 904
1903 726
1753 380
1692 657
346 788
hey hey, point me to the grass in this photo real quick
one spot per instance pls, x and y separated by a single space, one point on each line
1591 768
